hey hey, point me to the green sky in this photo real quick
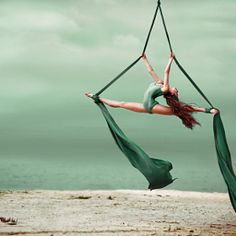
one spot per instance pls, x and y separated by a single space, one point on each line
51 52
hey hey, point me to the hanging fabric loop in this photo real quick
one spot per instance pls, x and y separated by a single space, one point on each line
118 76
165 28
192 82
150 30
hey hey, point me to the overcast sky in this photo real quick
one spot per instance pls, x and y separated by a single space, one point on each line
51 52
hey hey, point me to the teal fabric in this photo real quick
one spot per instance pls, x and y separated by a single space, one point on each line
153 91
222 149
156 171
224 158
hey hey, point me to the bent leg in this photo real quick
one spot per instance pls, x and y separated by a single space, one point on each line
162 110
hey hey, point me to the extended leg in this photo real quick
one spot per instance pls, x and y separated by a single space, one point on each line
138 107
201 109
132 106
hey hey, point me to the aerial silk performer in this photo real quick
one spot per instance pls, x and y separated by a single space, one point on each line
155 170
161 88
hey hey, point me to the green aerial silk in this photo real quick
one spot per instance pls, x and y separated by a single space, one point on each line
156 171
224 158
222 149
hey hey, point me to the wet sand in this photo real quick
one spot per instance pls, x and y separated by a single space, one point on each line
120 212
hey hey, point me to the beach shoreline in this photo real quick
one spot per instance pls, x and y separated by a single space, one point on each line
117 212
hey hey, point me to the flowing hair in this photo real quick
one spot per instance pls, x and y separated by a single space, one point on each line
181 110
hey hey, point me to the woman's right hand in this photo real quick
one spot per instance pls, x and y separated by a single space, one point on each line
144 57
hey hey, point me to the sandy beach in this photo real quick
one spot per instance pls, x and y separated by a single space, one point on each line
119 212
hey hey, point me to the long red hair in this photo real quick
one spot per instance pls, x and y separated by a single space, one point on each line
181 110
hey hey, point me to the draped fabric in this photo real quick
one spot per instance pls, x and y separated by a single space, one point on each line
157 171
224 158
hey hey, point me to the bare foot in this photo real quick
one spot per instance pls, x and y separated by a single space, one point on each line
214 111
88 94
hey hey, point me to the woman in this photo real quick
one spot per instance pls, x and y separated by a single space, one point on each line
161 88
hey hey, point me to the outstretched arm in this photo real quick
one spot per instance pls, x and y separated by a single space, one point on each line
166 85
150 70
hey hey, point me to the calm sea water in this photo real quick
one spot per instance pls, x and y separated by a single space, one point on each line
108 170
91 160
